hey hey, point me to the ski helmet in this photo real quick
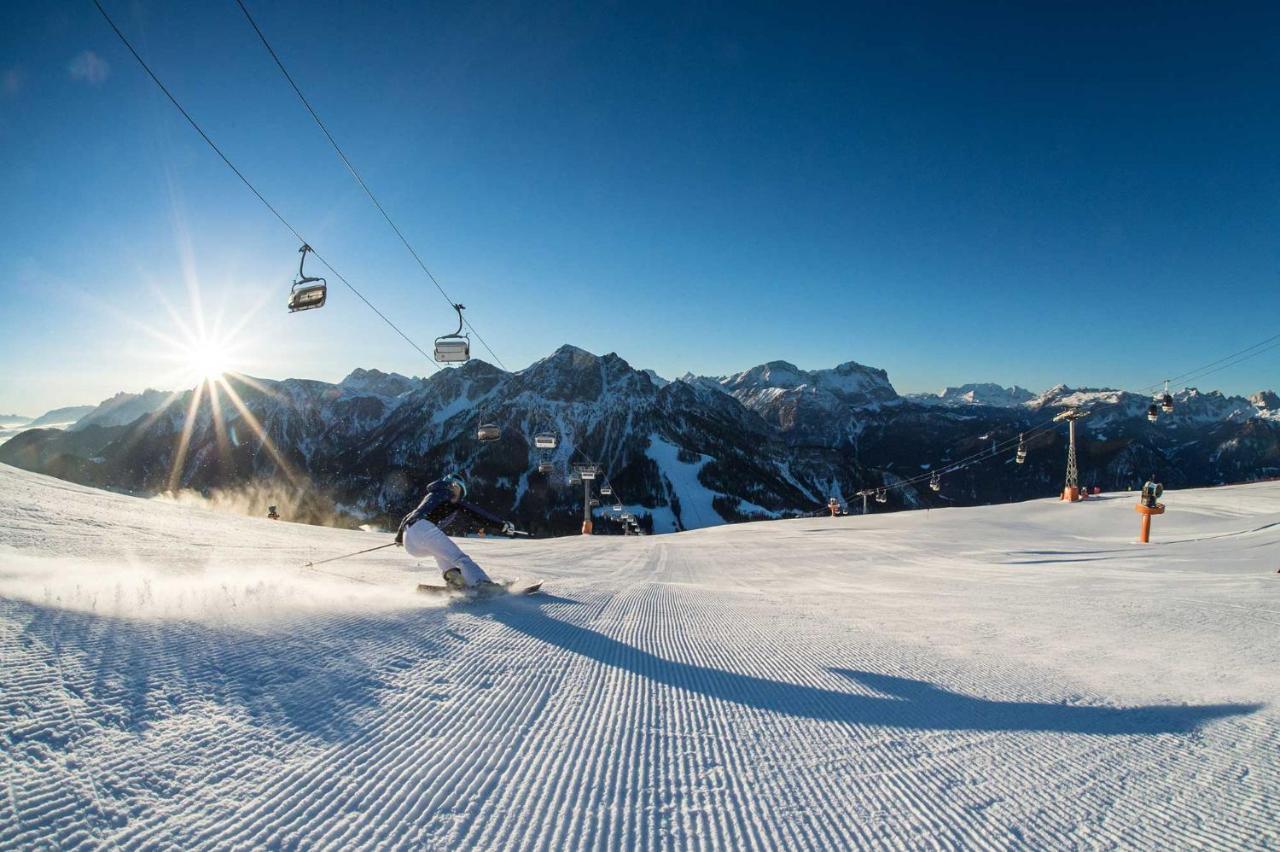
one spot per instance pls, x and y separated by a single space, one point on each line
455 479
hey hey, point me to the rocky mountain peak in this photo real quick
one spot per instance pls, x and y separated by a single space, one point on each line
977 393
1265 400
377 383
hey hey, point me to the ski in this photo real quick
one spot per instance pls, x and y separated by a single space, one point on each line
510 587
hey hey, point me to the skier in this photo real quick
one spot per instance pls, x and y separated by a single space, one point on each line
422 533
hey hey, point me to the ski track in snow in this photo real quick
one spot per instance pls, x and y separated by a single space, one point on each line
1016 676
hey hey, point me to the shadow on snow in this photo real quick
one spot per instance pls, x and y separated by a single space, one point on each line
906 703
131 673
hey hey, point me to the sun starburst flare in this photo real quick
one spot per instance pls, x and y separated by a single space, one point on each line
203 360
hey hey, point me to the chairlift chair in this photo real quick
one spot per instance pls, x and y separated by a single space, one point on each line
935 482
617 507
545 467
1153 413
1166 399
454 348
545 440
308 292
606 490
1021 456
881 496
488 432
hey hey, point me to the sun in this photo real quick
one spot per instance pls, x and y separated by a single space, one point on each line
208 359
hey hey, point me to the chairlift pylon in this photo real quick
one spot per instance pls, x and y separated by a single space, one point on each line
308 292
454 348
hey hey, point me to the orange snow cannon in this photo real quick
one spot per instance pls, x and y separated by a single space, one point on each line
1147 506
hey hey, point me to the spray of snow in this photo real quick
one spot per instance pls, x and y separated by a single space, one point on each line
297 503
218 594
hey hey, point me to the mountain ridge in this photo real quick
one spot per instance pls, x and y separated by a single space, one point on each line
772 441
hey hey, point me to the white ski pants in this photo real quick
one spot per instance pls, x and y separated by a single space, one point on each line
423 538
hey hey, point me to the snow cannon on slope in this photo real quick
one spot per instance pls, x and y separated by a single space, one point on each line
1148 506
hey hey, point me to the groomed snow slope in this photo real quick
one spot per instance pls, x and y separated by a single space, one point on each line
1010 676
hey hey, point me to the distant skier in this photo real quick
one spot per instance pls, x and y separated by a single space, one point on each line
422 532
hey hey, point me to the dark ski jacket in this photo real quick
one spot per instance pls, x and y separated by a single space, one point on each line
438 507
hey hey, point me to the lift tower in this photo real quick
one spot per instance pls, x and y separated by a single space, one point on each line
1071 491
587 473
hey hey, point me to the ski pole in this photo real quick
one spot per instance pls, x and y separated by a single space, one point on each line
348 555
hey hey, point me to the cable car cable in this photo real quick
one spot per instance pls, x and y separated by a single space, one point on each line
356 174
1193 374
145 67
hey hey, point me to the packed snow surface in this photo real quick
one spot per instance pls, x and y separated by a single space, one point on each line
1012 676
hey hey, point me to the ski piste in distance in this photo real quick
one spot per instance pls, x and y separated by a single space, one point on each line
509 587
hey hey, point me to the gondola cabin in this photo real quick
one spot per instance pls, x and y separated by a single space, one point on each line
452 350
306 297
308 292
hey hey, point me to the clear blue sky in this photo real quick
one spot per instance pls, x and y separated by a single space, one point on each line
1022 193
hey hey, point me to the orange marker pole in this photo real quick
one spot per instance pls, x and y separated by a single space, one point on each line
1147 512
586 528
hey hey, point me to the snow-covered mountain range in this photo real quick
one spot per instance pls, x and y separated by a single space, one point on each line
982 393
771 441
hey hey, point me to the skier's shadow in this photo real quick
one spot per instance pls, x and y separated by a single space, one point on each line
134 672
902 702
